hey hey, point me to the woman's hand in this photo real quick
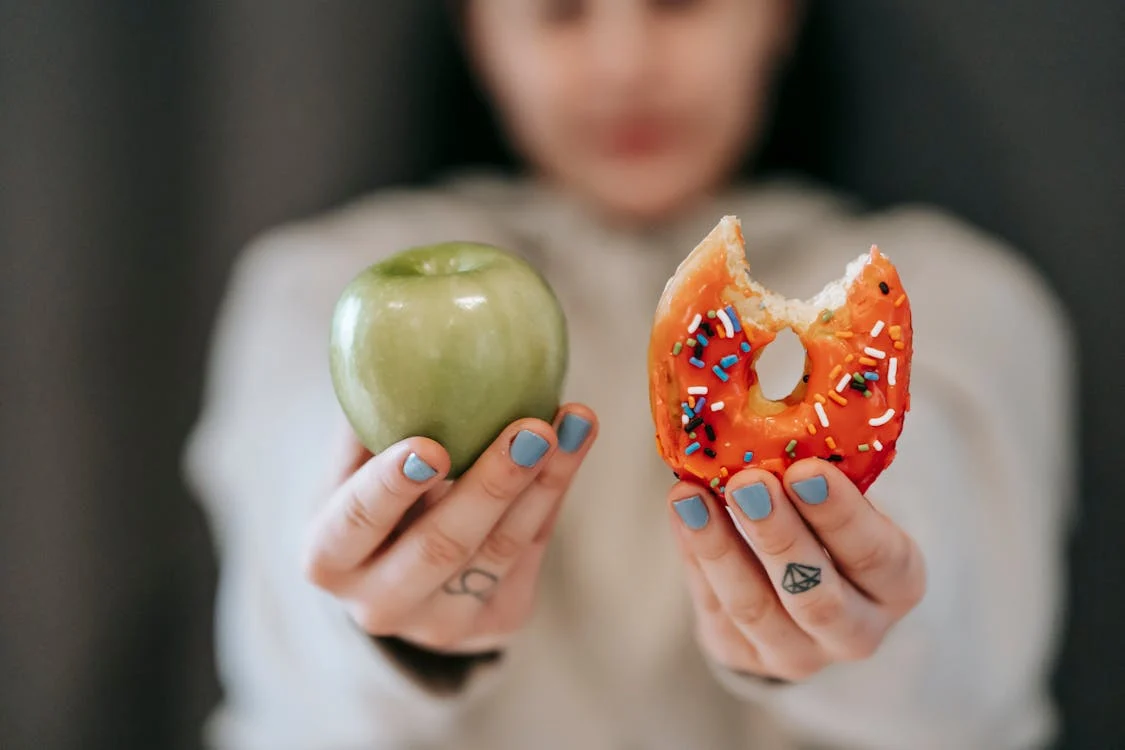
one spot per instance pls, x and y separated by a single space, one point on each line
448 566
781 606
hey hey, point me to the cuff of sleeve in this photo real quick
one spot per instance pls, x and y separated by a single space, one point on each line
746 685
441 675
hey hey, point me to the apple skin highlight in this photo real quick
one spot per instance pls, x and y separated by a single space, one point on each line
452 342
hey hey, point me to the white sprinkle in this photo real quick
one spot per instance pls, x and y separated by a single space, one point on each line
697 390
820 413
695 323
882 420
892 370
878 445
683 419
727 325
717 406
844 380
877 329
876 353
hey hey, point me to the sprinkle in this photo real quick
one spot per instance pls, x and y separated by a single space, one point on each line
688 410
715 482
835 458
711 314
728 324
820 414
881 420
722 332
707 328
699 404
710 453
830 442
870 376
723 472
835 371
877 328
844 334
867 394
691 343
717 406
884 288
703 340
819 399
876 353
849 358
691 449
863 447
892 371
844 379
748 456
791 445
805 378
837 398
728 360
697 390
720 374
697 362
826 316
733 318
899 345
677 348
684 419
697 350
722 489
710 432
878 445
744 346
691 435
857 377
811 429
900 300
691 401
861 386
695 323
867 362
895 332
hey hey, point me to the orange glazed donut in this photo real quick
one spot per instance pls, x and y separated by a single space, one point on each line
712 324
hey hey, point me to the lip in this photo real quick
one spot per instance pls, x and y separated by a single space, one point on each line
636 138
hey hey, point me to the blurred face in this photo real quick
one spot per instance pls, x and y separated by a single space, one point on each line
640 107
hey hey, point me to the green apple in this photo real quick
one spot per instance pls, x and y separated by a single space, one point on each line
452 342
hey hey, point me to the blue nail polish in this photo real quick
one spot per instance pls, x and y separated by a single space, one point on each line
692 511
754 499
528 448
416 469
813 490
572 432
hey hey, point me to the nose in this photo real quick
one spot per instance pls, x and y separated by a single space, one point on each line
622 49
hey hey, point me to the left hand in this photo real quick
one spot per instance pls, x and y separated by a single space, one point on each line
781 606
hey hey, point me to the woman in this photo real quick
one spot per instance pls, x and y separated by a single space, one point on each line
500 616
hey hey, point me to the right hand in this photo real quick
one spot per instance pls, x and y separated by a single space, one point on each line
448 566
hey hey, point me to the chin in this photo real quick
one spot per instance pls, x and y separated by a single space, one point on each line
653 200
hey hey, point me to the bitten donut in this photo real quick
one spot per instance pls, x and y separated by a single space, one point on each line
713 322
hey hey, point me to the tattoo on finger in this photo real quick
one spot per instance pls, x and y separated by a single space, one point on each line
472 582
800 578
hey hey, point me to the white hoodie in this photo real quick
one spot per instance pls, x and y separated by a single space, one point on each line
982 481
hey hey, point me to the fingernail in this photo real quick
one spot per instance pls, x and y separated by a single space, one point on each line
813 490
754 499
416 469
692 511
528 448
572 432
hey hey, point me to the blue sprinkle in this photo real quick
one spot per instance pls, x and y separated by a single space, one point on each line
699 402
722 489
719 372
733 319
748 456
701 339
697 362
871 375
691 449
745 347
687 409
728 360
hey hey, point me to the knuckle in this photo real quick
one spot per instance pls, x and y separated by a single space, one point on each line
875 557
501 547
825 609
316 571
357 513
554 480
497 484
778 545
438 549
836 522
441 637
711 548
373 620
750 611
799 668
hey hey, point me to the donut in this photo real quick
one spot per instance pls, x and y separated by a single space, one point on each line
712 324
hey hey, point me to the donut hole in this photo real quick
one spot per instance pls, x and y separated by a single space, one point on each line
780 367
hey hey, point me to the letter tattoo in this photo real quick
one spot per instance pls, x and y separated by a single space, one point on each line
472 582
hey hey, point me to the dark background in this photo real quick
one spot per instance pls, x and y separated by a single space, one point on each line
143 143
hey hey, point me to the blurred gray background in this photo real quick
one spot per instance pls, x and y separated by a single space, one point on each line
143 143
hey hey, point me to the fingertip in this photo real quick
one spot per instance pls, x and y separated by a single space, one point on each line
749 477
576 427
420 459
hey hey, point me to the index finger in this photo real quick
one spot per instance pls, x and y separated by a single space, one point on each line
364 510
